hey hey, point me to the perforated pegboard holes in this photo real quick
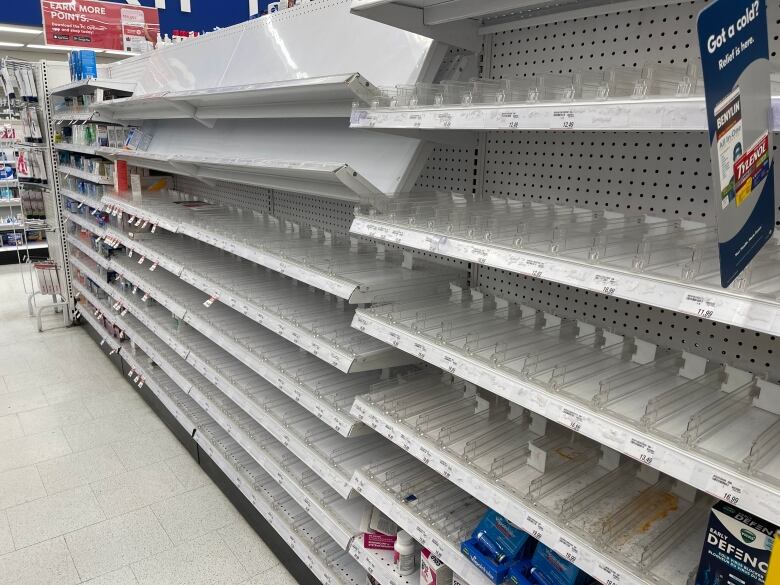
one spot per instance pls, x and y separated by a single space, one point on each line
741 348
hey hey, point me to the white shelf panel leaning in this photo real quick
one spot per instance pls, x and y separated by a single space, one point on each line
317 387
10 202
89 85
80 148
379 564
331 456
650 114
6 227
312 97
327 179
715 428
616 522
9 183
87 176
303 316
663 263
351 272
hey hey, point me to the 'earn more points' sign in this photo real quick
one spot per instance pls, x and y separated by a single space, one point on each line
99 25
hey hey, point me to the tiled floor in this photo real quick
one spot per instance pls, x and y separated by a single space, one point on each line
93 487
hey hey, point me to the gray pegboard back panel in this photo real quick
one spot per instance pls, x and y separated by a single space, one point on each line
741 348
226 193
659 173
329 213
449 168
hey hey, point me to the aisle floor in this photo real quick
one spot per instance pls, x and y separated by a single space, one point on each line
93 487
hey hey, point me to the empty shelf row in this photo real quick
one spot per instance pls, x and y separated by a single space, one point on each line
714 427
667 263
356 272
309 318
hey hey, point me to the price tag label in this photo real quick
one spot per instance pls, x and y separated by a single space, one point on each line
210 301
606 284
725 488
508 119
444 120
141 259
699 306
572 419
145 297
606 574
563 120
153 267
534 527
643 451
567 549
534 268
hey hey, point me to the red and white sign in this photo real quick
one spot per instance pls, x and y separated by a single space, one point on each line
99 25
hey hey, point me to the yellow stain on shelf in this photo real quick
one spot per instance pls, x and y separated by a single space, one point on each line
661 504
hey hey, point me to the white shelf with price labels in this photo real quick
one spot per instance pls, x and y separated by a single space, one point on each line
317 257
325 557
672 411
318 386
605 513
194 357
665 263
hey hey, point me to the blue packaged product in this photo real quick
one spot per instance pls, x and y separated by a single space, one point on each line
76 55
88 60
549 568
736 549
495 544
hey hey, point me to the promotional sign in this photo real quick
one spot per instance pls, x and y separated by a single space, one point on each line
734 45
99 25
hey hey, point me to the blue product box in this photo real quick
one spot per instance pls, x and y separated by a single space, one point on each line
76 65
88 61
549 568
495 545
737 548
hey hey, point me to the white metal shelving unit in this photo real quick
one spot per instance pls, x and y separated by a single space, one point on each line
560 283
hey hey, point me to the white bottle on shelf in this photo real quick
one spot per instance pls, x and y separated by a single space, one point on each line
403 558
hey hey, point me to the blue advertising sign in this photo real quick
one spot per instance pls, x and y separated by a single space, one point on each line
734 44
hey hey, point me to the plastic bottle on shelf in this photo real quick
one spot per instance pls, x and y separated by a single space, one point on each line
404 557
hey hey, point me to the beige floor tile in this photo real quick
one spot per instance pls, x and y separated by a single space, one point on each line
6 540
26 451
100 431
20 485
144 448
195 513
114 543
187 471
28 399
206 560
47 563
50 417
275 576
79 468
45 518
123 576
136 489
248 547
10 428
